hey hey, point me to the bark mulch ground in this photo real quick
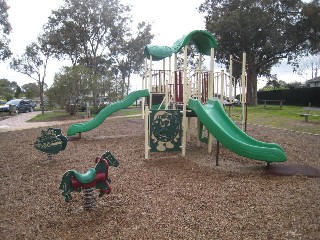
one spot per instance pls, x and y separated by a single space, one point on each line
164 197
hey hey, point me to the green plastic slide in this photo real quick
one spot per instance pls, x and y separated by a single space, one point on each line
107 111
218 123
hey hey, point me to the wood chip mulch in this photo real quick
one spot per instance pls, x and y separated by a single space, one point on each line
164 197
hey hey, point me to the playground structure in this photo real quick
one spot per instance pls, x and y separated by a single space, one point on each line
197 93
97 177
171 97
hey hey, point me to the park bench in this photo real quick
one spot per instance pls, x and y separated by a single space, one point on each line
279 101
307 114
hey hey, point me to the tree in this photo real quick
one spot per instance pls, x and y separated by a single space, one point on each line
85 30
129 57
310 25
274 83
71 86
308 63
33 63
267 30
7 89
5 29
18 92
31 90
293 85
96 34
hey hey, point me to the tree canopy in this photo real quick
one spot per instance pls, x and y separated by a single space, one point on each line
267 30
5 29
97 35
7 89
31 90
87 30
70 86
33 63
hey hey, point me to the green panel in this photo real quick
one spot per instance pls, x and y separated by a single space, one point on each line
165 130
106 112
51 141
214 118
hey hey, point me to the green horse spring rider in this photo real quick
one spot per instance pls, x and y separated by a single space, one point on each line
95 177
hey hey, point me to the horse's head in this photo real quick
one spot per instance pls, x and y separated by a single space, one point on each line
111 159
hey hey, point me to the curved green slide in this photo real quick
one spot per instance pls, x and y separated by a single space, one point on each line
107 111
218 123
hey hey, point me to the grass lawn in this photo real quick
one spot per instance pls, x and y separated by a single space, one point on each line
56 116
60 115
286 118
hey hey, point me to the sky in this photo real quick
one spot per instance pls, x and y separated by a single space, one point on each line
170 19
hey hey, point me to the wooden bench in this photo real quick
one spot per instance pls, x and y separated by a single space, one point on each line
280 102
307 114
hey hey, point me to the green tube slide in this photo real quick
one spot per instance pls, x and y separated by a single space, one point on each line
218 123
107 111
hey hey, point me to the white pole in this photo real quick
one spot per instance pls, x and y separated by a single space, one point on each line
165 85
170 82
162 83
211 79
146 132
222 86
170 73
199 74
175 66
144 85
200 92
230 82
217 85
150 83
185 101
243 92
145 82
211 92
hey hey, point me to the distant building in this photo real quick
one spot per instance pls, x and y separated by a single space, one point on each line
315 82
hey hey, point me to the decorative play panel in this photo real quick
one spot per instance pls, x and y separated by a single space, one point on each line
165 130
51 142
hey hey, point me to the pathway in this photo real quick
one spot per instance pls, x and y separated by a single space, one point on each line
19 122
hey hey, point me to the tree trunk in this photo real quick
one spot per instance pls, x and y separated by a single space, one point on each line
128 86
252 79
123 83
235 89
41 97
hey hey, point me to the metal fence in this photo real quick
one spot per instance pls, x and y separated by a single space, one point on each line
297 96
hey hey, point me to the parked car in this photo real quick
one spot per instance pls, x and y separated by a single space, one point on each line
236 102
21 105
2 103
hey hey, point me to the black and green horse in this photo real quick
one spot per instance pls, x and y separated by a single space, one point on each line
95 177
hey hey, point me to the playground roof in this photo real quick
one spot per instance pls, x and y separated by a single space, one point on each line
157 52
202 40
